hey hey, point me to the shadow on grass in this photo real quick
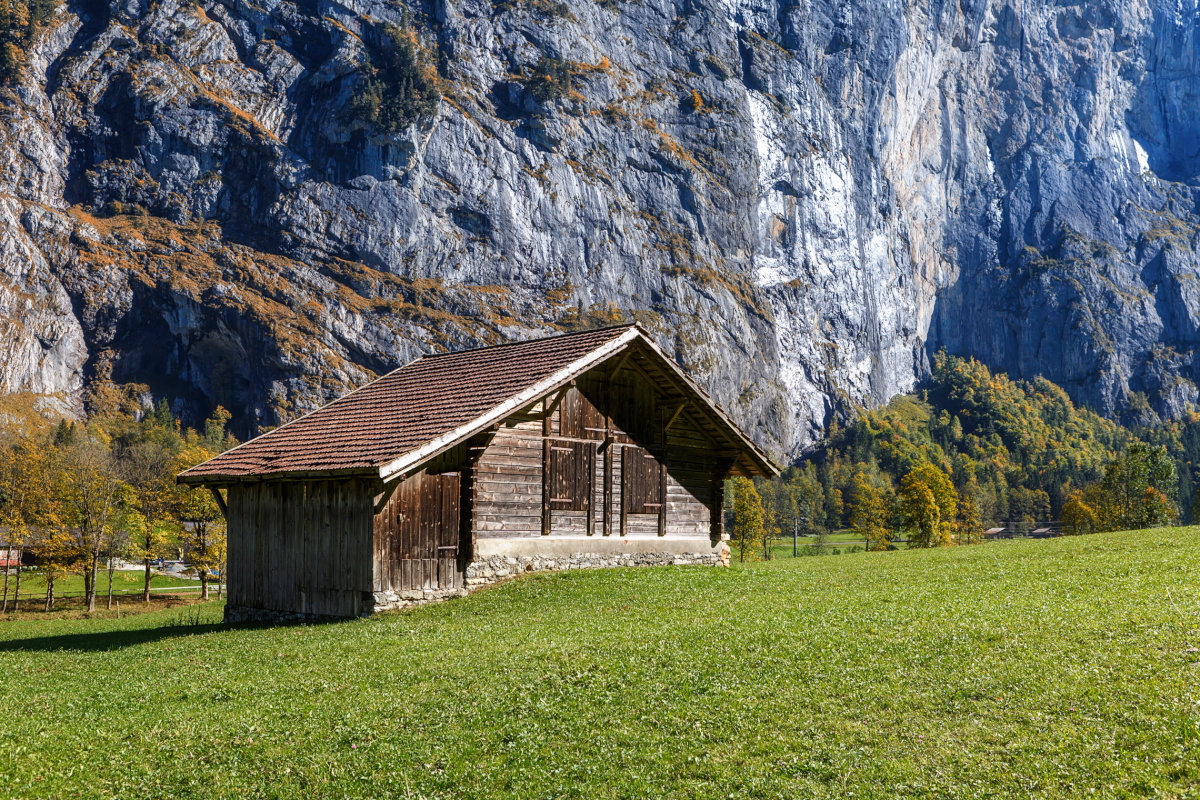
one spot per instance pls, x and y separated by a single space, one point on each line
116 640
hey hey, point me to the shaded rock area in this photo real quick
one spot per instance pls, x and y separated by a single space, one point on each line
800 201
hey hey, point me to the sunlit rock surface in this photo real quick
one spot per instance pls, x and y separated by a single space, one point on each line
801 201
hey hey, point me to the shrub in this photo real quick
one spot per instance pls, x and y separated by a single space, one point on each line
20 20
550 79
400 83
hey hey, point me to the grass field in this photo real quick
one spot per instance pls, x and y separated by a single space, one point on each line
1062 668
125 582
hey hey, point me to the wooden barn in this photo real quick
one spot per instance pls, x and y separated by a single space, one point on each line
589 449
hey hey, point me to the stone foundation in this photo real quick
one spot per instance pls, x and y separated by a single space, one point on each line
485 572
390 601
497 568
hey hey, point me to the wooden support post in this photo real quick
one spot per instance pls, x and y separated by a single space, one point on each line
591 491
608 483
716 521
625 451
466 515
662 496
550 406
546 517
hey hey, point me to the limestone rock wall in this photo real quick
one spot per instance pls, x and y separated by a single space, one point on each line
801 200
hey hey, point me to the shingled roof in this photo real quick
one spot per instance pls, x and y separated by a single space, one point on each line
417 411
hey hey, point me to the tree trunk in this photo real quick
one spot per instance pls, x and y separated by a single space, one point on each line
7 569
221 578
17 593
90 587
146 588
110 580
49 589
203 583
87 584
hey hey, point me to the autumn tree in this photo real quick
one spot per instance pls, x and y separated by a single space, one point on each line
89 501
147 451
927 504
747 516
869 513
1138 489
775 501
26 499
1078 515
202 528
968 526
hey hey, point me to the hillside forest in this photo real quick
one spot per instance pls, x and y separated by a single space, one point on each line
975 451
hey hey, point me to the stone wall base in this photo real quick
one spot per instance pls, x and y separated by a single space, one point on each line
479 574
497 568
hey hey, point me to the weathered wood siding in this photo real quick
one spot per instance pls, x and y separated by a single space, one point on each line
588 484
300 546
417 535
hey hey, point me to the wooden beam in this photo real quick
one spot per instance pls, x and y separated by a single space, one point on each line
608 486
216 493
624 500
675 415
546 518
591 492
620 363
553 406
466 517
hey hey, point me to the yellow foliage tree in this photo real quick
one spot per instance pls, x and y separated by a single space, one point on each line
748 529
928 504
1078 515
869 513
202 531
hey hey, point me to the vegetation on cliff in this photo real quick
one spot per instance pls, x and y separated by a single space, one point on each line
400 81
20 20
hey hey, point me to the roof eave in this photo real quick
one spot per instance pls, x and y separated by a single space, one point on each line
217 479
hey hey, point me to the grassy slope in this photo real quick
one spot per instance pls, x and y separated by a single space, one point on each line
1046 668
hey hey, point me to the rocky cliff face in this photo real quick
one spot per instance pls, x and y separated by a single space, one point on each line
800 200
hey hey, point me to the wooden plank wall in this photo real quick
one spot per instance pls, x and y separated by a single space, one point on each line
300 547
508 475
417 534
508 482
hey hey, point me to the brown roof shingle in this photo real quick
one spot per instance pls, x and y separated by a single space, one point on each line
404 410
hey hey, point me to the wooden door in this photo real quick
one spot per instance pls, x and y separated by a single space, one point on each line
418 534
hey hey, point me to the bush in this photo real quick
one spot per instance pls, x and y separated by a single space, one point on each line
400 85
20 20
550 79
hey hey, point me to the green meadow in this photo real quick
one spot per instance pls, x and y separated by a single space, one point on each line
1061 668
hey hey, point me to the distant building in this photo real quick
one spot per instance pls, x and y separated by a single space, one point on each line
588 449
